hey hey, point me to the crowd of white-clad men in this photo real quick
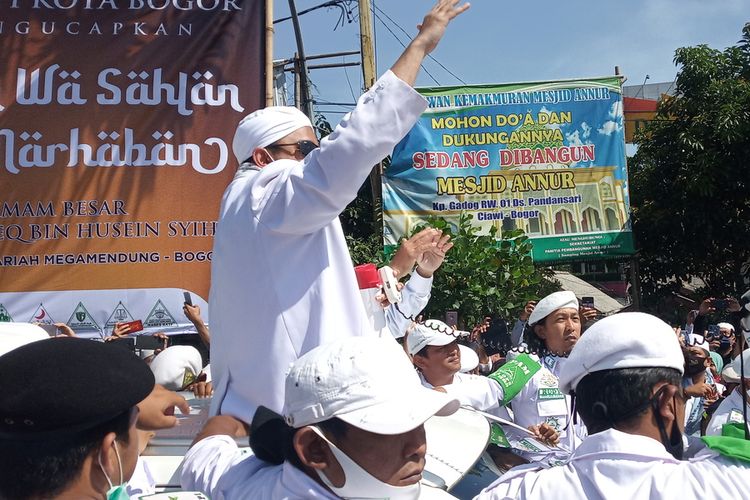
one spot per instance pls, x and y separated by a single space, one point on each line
334 392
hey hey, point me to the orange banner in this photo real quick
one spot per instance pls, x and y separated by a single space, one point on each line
116 119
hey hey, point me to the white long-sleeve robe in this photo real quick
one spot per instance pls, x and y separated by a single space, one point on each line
282 280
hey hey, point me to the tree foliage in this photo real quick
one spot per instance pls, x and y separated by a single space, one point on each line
482 276
690 179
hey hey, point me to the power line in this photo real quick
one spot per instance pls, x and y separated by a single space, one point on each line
402 44
408 35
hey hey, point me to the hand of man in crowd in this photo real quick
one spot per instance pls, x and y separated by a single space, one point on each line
157 410
410 249
64 330
700 390
382 298
431 31
433 258
733 305
121 330
193 313
706 307
587 314
546 434
203 389
479 330
527 310
435 22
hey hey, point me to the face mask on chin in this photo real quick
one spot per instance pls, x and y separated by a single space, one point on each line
360 484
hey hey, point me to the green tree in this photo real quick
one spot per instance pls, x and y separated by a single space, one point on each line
690 179
483 276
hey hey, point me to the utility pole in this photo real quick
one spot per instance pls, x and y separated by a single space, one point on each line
306 101
366 43
367 48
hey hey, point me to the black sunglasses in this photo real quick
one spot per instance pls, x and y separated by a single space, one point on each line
304 147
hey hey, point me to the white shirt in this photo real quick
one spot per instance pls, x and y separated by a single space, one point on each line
729 411
614 465
540 401
414 297
218 467
481 393
282 280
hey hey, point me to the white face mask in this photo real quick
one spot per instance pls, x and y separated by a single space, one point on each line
360 484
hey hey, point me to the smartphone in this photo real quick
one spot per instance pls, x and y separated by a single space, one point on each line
713 331
451 318
50 329
587 302
720 304
135 326
188 299
150 342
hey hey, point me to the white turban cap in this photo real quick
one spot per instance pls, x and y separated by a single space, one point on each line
551 303
177 366
264 127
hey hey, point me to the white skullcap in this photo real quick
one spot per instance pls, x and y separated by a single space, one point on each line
14 335
552 303
728 326
699 341
625 340
177 367
264 127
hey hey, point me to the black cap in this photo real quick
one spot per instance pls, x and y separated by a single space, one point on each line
63 386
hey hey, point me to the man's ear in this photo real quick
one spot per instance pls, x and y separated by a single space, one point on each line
261 157
315 453
108 456
667 404
419 361
540 332
311 449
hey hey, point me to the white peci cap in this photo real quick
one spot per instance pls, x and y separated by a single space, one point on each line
625 340
551 303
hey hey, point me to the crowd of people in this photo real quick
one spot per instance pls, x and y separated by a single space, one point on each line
331 385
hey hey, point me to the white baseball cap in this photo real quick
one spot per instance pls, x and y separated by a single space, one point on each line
625 340
551 303
177 366
14 335
367 382
431 332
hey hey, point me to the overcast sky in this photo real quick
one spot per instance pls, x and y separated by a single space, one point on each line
497 41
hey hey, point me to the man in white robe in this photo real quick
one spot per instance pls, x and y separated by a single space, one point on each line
282 278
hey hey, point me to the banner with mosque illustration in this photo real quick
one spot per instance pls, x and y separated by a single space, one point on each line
546 157
116 121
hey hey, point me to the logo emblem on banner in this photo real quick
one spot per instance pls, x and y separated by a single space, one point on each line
82 320
5 315
119 315
41 316
159 317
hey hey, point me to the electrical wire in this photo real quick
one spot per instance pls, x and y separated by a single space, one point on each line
408 35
